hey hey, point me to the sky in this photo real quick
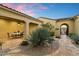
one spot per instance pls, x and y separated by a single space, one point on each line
48 10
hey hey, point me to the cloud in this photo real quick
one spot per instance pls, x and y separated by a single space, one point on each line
22 8
30 12
8 5
19 7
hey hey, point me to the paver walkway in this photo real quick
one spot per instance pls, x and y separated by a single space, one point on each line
66 48
60 47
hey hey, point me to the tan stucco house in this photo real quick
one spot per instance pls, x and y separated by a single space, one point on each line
13 21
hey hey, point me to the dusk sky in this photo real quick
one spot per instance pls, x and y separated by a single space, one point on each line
48 10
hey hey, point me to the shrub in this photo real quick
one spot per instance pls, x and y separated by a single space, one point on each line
52 33
40 37
49 27
24 43
74 37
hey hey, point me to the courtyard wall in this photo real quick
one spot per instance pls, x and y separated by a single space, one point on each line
76 23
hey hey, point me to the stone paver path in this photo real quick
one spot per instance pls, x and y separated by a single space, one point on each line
66 48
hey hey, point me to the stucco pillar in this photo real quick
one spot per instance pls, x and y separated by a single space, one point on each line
76 23
26 29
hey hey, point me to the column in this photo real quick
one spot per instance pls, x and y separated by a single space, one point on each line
26 30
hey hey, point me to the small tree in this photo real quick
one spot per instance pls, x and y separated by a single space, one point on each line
49 27
41 36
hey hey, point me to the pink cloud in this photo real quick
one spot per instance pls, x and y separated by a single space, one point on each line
41 7
8 5
20 8
30 12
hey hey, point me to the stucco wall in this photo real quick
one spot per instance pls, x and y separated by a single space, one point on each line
7 13
52 22
47 20
7 26
32 27
57 25
77 25
70 23
15 15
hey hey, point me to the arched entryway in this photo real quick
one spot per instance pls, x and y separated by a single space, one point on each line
64 29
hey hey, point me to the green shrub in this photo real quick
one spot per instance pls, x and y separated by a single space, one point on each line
77 39
24 43
40 37
74 37
52 33
49 27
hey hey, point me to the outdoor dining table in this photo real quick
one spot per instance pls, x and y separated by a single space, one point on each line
16 35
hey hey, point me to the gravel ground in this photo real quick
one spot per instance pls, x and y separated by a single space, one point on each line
60 47
13 48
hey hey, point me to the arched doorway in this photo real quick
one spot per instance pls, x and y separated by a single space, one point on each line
64 29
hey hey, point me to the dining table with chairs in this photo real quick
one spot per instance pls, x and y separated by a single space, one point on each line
15 35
